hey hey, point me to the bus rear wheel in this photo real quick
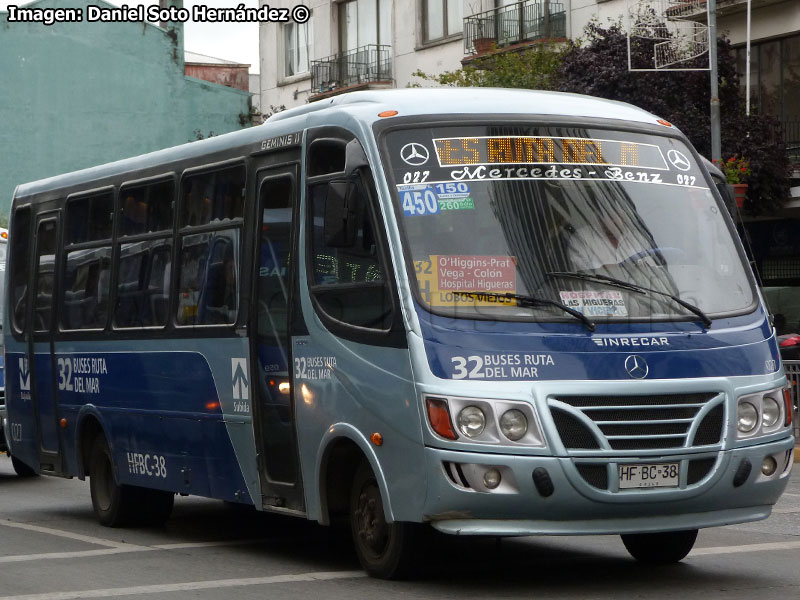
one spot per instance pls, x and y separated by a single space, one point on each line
113 504
385 550
660 548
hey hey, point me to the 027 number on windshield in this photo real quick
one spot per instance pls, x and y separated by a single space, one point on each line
415 176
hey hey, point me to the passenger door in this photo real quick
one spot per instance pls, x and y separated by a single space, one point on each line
274 411
40 347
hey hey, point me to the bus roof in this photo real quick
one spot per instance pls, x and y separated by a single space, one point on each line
425 101
365 106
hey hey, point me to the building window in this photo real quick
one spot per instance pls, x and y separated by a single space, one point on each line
364 22
774 82
443 18
297 39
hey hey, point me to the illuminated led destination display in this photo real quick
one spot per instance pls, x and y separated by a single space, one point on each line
464 151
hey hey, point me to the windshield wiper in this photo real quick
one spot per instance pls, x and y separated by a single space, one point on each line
533 301
634 287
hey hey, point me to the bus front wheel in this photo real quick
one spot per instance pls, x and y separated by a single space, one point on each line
660 548
385 550
113 504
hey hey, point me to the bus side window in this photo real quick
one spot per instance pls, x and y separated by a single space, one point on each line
20 253
208 292
349 282
87 274
45 260
143 280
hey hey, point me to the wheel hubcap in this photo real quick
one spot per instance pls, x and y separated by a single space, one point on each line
371 527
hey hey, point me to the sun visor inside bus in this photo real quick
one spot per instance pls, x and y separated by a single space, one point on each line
340 214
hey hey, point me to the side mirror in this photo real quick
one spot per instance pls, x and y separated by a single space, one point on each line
355 158
339 227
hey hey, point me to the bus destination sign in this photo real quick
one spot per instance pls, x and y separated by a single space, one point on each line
466 151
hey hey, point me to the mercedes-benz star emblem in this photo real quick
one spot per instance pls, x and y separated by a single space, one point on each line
636 366
414 154
679 160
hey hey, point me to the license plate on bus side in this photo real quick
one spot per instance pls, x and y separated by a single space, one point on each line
648 475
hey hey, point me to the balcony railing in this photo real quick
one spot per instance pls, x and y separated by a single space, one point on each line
791 136
367 64
515 23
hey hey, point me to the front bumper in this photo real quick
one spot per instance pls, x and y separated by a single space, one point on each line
459 503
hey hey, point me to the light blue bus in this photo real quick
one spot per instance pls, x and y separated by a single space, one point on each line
489 312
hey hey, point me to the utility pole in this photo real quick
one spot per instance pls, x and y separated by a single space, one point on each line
716 128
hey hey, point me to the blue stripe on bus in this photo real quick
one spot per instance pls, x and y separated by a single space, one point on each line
514 351
152 405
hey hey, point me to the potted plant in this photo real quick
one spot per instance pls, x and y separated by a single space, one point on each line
737 171
484 40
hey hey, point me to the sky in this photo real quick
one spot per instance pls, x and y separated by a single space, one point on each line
237 42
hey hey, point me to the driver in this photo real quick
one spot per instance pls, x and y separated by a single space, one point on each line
603 243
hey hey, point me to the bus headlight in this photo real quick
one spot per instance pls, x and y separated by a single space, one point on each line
484 420
513 424
747 417
770 411
471 421
762 413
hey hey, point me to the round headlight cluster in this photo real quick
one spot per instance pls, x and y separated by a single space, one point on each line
513 424
770 411
747 417
471 421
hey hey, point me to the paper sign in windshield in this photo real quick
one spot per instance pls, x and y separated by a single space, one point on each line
596 304
445 279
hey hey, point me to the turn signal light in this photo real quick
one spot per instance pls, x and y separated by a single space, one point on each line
439 417
787 405
387 113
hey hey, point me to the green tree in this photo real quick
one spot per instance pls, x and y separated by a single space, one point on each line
534 68
598 65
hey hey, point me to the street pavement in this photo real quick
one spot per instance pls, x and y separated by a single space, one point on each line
52 548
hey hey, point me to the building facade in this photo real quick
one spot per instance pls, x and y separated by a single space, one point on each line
78 94
357 44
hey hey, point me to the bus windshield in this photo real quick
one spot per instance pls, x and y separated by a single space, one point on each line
489 211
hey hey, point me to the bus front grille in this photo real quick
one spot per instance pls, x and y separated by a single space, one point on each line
638 422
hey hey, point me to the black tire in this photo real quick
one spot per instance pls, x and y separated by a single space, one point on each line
155 506
385 550
113 504
660 548
21 469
